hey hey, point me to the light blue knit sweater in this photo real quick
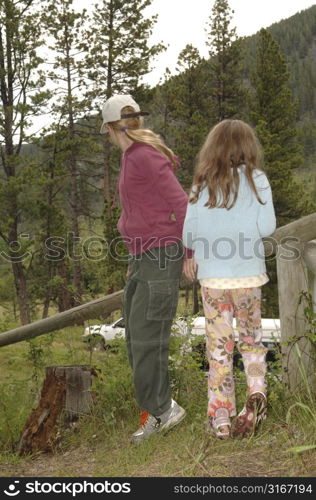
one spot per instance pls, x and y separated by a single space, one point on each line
227 243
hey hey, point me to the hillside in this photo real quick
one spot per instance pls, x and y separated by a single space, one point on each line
297 39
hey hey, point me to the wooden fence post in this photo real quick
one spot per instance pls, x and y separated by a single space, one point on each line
309 256
292 279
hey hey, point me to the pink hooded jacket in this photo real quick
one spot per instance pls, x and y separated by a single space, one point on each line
153 202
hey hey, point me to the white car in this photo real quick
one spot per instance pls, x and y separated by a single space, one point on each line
270 329
105 333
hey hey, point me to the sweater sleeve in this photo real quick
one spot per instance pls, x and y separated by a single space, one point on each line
266 220
189 233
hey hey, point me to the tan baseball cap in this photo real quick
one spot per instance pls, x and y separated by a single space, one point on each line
111 110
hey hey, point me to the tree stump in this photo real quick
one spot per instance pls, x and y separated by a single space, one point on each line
66 392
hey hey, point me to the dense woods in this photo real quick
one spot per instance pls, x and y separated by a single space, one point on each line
58 239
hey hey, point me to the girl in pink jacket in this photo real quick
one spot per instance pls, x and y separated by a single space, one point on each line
153 210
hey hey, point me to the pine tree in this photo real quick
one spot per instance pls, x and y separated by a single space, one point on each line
22 96
118 56
275 113
191 109
225 63
275 118
161 106
117 46
48 269
66 27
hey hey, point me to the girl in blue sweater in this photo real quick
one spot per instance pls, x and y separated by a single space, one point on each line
229 211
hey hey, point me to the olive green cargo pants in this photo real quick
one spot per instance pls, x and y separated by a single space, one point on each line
150 303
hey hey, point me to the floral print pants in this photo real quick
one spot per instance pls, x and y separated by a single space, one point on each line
220 305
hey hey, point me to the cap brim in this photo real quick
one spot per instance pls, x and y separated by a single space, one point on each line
103 129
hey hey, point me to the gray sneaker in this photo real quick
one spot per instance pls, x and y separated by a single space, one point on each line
164 422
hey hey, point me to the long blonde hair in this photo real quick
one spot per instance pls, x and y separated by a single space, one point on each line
229 144
133 128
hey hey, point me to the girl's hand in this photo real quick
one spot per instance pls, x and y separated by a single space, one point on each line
190 268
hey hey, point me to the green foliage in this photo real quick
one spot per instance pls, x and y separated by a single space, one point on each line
116 47
182 107
186 362
161 105
20 71
225 64
65 26
116 255
15 404
39 351
274 113
275 117
309 315
304 406
296 38
202 92
307 137
113 387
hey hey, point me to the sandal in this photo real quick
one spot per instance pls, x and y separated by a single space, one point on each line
251 415
220 424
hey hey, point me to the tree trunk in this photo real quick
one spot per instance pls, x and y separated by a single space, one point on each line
14 309
51 267
74 210
64 296
64 397
106 172
21 292
49 291
187 291
46 303
74 194
196 306
74 204
109 80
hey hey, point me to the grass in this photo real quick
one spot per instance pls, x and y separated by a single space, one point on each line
186 451
99 444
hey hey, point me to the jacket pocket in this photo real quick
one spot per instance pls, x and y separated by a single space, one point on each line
163 299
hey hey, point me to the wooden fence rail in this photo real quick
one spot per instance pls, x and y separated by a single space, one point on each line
96 308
